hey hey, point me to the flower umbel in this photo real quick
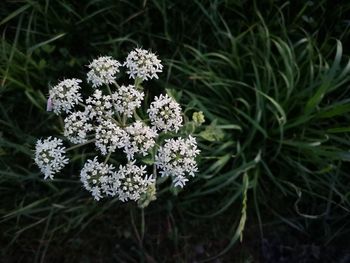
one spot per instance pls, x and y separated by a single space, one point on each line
141 139
50 156
177 159
143 64
65 95
165 114
99 106
100 179
118 128
103 71
133 181
127 99
76 127
109 137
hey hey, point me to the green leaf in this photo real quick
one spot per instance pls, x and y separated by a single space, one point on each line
212 133
339 130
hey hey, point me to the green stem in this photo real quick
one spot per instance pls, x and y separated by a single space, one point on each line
154 171
116 84
107 158
135 228
81 144
114 106
136 116
137 83
113 120
82 104
124 120
142 224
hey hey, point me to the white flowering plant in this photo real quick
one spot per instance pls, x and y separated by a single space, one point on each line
154 145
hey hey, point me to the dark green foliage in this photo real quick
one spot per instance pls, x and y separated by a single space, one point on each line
272 79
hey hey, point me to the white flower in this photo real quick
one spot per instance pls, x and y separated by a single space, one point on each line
50 156
141 139
165 113
109 137
76 127
99 106
103 71
127 99
177 159
143 64
64 96
100 179
133 182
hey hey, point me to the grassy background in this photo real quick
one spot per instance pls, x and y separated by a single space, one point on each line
272 79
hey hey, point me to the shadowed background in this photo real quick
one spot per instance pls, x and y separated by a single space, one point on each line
272 79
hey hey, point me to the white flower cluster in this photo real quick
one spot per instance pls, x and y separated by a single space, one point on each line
177 159
143 64
112 118
109 137
126 99
141 139
165 114
99 106
76 127
65 95
50 156
133 181
103 71
100 179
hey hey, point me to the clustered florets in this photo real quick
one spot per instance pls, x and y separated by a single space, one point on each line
65 95
98 178
143 64
109 136
176 159
165 114
49 156
133 181
126 99
141 139
99 106
103 71
109 119
76 127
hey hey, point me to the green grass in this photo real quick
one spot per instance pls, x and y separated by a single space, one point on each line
272 79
